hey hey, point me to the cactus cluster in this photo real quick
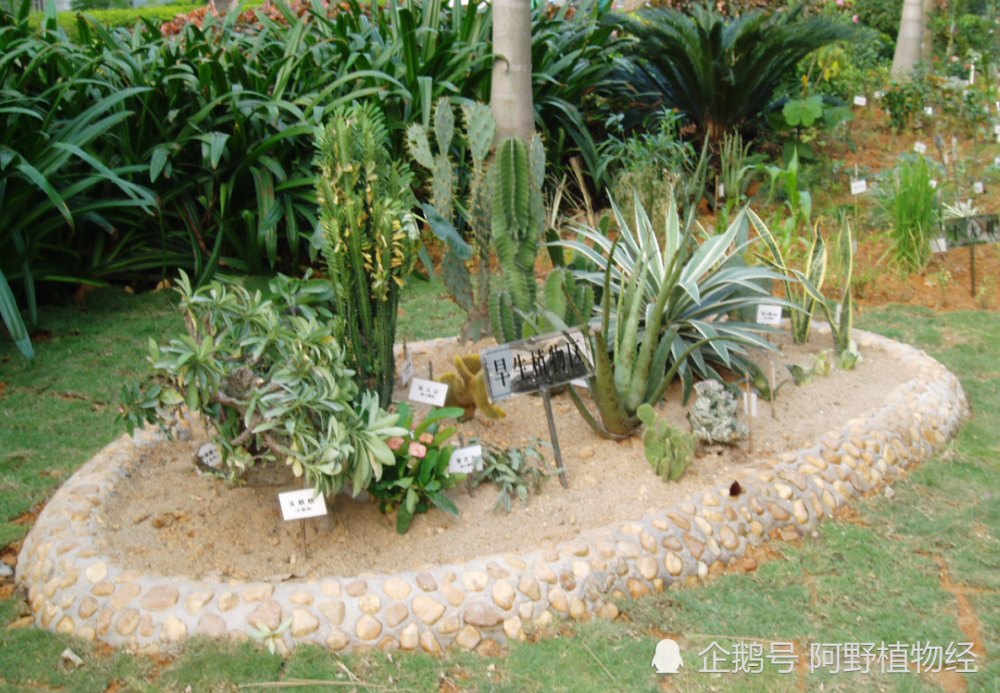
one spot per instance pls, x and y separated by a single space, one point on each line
367 236
467 388
570 301
668 449
465 226
713 416
518 220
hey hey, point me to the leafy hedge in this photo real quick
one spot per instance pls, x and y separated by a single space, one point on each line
112 19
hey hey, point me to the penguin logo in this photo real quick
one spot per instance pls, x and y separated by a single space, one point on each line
667 658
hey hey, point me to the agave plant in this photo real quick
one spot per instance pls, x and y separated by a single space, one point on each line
720 73
673 307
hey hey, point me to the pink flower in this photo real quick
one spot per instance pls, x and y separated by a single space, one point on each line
426 438
841 3
417 450
855 18
395 443
121 410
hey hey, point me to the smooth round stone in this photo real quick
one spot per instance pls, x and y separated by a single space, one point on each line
123 596
196 601
454 595
301 598
777 512
370 604
697 548
427 583
87 633
127 622
267 614
128 576
427 609
357 588
529 586
396 614
476 580
88 607
228 601
211 625
160 598
368 628
545 573
673 563
337 639
96 572
303 623
526 610
512 628
429 644
661 524
174 630
607 549
468 637
396 588
258 593
784 491
481 614
687 507
567 581
629 549
577 608
544 619
449 624
608 612
638 588
516 562
729 538
409 637
647 567
704 526
66 626
648 543
801 513
503 594
710 499
558 600
672 543
333 610
330 588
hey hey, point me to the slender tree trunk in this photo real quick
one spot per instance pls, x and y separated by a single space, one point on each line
511 97
911 30
927 47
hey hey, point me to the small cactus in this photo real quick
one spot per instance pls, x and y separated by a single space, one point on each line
571 301
467 388
713 416
668 449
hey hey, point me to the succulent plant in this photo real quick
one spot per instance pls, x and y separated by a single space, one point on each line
668 449
713 416
467 388
464 227
569 300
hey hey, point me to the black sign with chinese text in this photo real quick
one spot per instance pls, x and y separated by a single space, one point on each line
537 363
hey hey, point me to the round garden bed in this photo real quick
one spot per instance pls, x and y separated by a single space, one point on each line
137 550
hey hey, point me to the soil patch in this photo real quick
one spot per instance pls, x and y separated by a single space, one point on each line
240 533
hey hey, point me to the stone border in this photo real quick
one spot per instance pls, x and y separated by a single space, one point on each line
74 589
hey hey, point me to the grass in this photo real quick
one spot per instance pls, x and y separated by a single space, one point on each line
870 576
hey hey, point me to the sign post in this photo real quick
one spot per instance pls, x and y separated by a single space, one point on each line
538 364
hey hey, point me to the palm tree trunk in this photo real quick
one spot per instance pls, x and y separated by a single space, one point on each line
927 48
911 29
511 98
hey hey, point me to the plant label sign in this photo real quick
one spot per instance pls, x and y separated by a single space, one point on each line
933 184
722 190
861 101
939 245
466 460
537 363
406 370
428 392
750 404
298 505
996 129
978 188
768 315
859 187
929 110
920 148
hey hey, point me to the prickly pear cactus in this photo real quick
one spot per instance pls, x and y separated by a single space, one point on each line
465 227
668 449
713 416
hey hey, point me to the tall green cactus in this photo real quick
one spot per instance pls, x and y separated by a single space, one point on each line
570 301
518 219
367 236
465 226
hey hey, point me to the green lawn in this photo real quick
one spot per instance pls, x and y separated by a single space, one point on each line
873 578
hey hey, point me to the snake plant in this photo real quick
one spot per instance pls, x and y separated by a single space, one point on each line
668 305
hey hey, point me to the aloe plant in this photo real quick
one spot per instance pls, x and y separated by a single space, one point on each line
672 308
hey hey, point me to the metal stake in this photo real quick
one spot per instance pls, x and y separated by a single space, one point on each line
302 528
749 417
554 437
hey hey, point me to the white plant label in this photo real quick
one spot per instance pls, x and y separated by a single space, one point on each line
406 370
996 129
428 392
579 382
996 161
298 505
768 314
840 308
998 106
946 160
854 246
751 408
466 460
933 184
920 148
977 187
859 187
722 190
861 101
929 111
939 245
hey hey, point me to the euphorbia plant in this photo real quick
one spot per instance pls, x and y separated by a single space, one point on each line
420 476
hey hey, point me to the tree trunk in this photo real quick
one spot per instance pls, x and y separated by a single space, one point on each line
911 29
927 47
511 98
